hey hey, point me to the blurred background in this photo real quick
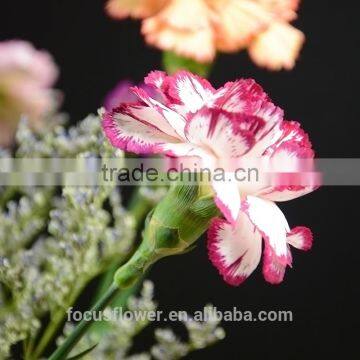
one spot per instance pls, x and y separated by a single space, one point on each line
95 52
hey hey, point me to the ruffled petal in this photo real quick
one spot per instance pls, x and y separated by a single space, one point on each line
156 78
292 133
227 198
286 193
236 22
130 133
282 9
120 9
175 120
246 96
183 150
188 92
301 238
272 224
278 47
291 157
234 250
183 27
274 266
217 131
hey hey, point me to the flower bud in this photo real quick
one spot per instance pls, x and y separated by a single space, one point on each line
170 229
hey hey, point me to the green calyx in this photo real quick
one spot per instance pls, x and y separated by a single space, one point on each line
171 229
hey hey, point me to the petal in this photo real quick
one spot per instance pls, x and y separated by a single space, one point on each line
121 9
183 27
186 15
152 116
190 90
286 193
246 96
291 159
300 237
272 224
175 120
267 136
156 78
236 22
186 150
278 47
274 266
160 81
129 133
240 96
283 9
292 133
234 250
217 131
227 198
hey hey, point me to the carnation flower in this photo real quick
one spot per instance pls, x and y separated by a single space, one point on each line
198 28
219 126
26 76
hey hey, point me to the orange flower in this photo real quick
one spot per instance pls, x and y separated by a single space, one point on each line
198 28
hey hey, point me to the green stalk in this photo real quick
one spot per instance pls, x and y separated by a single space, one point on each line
54 324
120 301
173 62
139 207
83 326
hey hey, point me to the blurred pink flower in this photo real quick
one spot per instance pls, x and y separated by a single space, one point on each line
232 124
26 76
198 28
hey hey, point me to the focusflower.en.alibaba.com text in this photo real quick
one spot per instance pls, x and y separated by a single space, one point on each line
234 314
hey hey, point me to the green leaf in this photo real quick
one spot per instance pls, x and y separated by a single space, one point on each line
173 62
83 353
100 328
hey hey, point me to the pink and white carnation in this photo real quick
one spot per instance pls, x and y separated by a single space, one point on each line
220 126
26 77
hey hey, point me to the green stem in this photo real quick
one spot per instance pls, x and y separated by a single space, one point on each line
55 323
100 328
173 63
139 207
83 326
48 333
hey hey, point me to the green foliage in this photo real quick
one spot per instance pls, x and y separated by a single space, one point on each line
173 62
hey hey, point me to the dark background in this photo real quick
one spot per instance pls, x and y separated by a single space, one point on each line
322 289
